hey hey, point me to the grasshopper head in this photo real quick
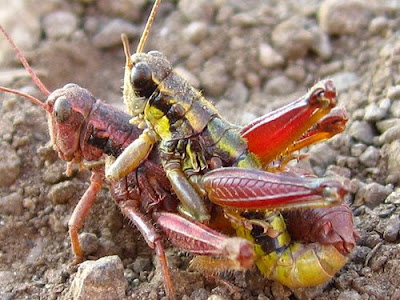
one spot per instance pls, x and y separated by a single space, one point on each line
143 73
68 110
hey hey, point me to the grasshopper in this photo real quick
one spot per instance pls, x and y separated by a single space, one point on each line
151 194
190 132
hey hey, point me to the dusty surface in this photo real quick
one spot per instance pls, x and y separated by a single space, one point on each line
249 57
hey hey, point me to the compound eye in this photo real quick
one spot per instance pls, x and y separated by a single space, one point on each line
141 76
62 109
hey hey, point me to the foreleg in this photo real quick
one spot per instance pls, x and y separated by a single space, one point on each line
81 211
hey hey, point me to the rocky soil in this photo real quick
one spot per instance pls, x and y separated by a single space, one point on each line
249 57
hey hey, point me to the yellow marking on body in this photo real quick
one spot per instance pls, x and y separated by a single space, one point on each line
162 126
152 113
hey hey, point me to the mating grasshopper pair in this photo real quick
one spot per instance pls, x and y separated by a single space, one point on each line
192 165
193 139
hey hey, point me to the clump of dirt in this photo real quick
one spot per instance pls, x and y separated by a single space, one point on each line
249 57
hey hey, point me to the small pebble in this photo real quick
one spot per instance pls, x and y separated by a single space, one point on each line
358 149
196 31
10 165
252 80
60 24
392 179
345 80
107 247
110 35
362 131
355 185
22 20
244 19
372 239
349 295
394 197
375 112
89 242
278 290
344 16
391 232
268 57
378 263
55 172
130 275
387 124
395 109
91 25
333 170
29 204
292 38
238 92
295 72
323 155
62 192
384 211
393 92
12 204
35 253
279 85
379 25
370 157
360 253
202 294
125 9
390 135
102 279
352 162
213 77
358 114
321 44
393 158
57 224
224 13
141 264
203 10
372 194
136 282
47 153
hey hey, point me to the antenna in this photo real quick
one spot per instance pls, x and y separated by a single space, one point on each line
27 96
127 51
147 28
25 63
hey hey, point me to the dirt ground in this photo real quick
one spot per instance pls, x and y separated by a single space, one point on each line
249 57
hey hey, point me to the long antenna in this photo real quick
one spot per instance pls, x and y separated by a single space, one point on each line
127 51
147 28
25 63
27 96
